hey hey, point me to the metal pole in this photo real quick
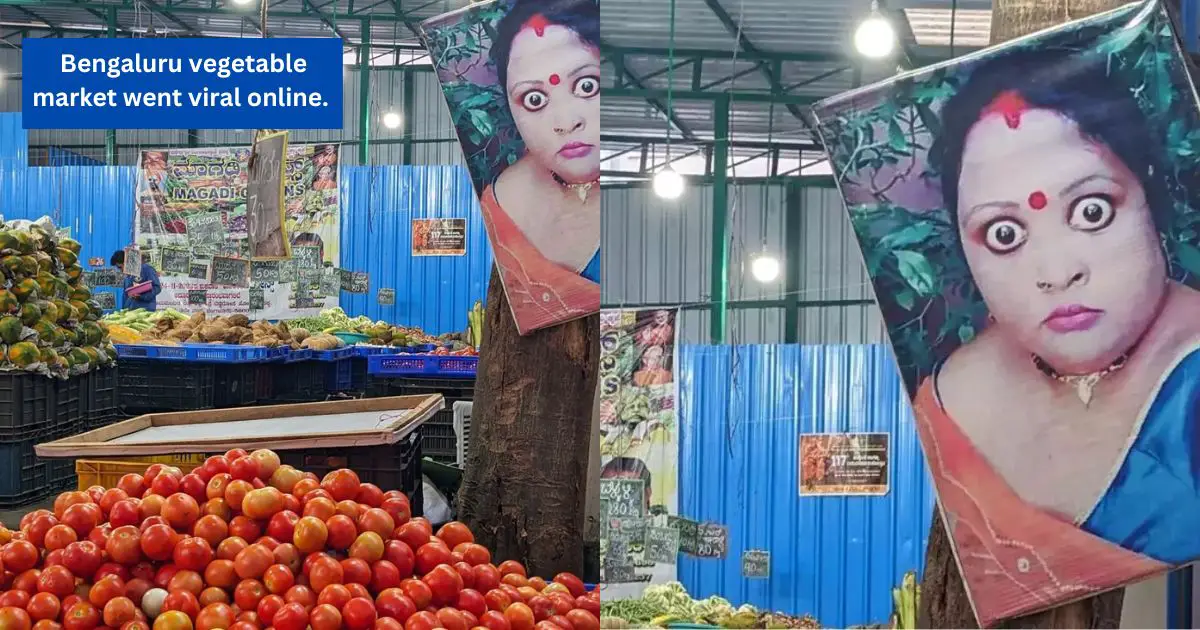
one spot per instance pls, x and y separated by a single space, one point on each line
364 95
410 87
720 242
110 135
793 254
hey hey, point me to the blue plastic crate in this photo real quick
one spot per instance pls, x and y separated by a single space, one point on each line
422 365
339 376
293 356
197 353
366 351
334 355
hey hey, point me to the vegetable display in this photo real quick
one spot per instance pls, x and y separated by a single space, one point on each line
244 543
662 605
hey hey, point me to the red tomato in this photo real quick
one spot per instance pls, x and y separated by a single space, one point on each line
319 507
243 468
18 556
384 575
136 588
512 566
220 573
124 512
356 571
304 486
217 485
342 484
248 594
287 555
563 602
182 601
158 542
231 547
236 491
359 613
301 595
219 508
467 572
399 507
269 605
324 572
471 601
173 620
519 616
83 558
186 580
452 619
193 554
120 570
216 465
215 616
119 611
57 581
212 529
494 620
473 554
18 598
165 484
43 606
587 603
310 534
342 532
253 561
542 607
423 620
235 453
37 528
455 533
335 594
12 618
135 625
370 494
562 622
394 603
57 537
278 579
412 534
418 592
445 583
132 484
125 545
515 580
282 525
387 623
245 528
194 486
401 555
498 599
358 590
431 555
378 521
213 595
487 577
325 617
583 620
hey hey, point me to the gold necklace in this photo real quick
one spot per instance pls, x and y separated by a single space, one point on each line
1084 384
580 189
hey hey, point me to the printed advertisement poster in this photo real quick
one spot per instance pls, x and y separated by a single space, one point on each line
439 237
1028 217
639 437
194 201
522 81
844 464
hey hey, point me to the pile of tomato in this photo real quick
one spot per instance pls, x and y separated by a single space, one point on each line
243 543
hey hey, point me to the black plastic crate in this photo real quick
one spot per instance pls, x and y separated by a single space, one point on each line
339 376
148 386
389 466
26 404
358 374
100 394
70 415
235 385
302 381
24 478
438 441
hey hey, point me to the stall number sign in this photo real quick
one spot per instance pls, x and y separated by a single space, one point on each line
106 300
756 563
258 300
662 545
626 497
198 271
307 257
176 262
386 297
197 297
205 228
711 540
264 272
107 277
133 262
354 281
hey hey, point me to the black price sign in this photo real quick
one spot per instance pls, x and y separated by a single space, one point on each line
331 283
756 563
386 297
662 545
133 262
287 271
176 262
626 497
628 530
258 301
304 301
230 272
689 533
264 272
108 277
106 300
712 540
307 257
197 297
198 271
205 228
353 281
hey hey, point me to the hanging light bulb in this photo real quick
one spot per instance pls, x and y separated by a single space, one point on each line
765 267
242 2
875 37
392 119
668 184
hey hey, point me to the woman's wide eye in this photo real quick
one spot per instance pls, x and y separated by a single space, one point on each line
534 100
1092 213
1004 236
587 87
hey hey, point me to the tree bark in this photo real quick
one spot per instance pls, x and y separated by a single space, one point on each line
525 483
944 602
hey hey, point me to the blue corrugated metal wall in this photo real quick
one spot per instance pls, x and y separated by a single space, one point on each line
56 156
378 206
742 410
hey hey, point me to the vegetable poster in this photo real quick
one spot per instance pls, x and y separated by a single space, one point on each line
1029 218
191 206
522 82
639 439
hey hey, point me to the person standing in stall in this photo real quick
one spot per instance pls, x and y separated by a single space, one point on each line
147 300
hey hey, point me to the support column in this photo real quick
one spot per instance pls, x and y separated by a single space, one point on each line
364 95
110 135
720 243
793 257
410 87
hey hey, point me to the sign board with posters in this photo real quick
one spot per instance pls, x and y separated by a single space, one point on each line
638 424
1027 216
844 464
195 200
439 237
539 189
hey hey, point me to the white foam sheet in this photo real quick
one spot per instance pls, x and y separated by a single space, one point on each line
271 428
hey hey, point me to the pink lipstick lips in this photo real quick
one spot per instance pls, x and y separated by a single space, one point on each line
573 150
1072 318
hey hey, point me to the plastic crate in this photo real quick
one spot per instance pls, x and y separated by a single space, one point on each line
438 441
423 365
100 394
292 356
197 353
108 472
462 429
358 374
158 386
302 381
334 355
70 410
235 386
26 404
24 477
339 376
389 466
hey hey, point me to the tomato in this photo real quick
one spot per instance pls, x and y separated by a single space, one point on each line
356 571
412 534
583 619
392 602
487 577
494 620
158 542
282 525
467 572
400 555
215 465
267 460
520 616
304 486
387 623
211 529
57 581
44 606
562 622
220 573
173 620
515 580
213 595
165 484
358 590
342 532
310 534
81 616
384 575
253 561
119 611
285 478
455 533
217 485
278 579
542 607
180 510
57 537
19 598
243 469
124 512
194 486
537 583
473 554
248 594
244 528
563 602
236 491
324 572
423 620
215 616
342 484
261 504
555 587
452 619
431 555
445 583
325 617
368 546
18 556
527 593
498 599
150 505
369 494
182 601
27 581
193 553
588 604
219 508
268 606
37 528
471 601
67 499
231 547
378 521
139 624
12 618
164 575
418 591
359 613
398 507
186 580
320 508
136 588
348 508
125 545
132 484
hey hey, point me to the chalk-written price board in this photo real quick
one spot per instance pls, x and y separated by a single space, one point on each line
197 297
386 297
662 545
712 539
689 533
176 262
331 283
108 277
756 563
307 257
354 281
229 272
264 271
106 300
287 271
626 497
205 228
198 271
133 262
258 300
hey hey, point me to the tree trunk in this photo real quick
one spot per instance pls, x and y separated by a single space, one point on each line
944 602
524 488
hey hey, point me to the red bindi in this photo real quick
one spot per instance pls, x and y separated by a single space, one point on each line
1037 200
554 80
538 23
1009 104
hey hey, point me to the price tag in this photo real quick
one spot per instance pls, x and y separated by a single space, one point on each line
108 277
176 262
331 283
756 563
258 300
689 533
197 297
287 271
307 257
353 281
629 530
198 271
712 540
205 228
106 300
133 262
229 272
304 302
662 544
619 573
386 297
626 497
264 272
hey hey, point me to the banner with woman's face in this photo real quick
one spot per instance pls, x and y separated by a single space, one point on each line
1028 217
522 80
